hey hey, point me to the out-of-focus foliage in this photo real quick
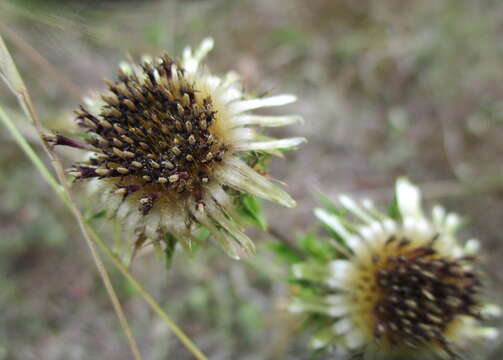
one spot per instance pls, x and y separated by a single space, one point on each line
386 87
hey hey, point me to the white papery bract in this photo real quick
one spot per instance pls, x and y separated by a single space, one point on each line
393 286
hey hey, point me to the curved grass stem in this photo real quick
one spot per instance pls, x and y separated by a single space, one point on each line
146 296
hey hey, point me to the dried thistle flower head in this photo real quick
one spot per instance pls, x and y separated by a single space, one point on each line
172 144
393 287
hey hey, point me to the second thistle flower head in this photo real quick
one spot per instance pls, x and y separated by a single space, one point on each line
173 144
398 286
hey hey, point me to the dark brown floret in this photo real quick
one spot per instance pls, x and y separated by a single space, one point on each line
421 294
154 131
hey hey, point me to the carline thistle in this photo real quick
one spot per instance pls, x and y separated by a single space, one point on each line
395 287
171 146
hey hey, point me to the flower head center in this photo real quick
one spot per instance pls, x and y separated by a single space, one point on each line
413 294
155 133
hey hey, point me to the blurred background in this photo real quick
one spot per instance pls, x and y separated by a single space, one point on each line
386 88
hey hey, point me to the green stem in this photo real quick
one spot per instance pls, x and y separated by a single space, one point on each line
25 146
12 78
60 190
145 295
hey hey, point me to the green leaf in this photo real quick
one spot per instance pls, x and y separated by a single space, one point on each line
203 234
330 206
257 160
394 210
170 242
96 215
316 322
251 210
305 284
284 252
320 250
318 353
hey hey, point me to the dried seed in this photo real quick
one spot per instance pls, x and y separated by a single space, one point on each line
122 171
176 150
117 142
131 106
127 139
168 164
117 152
105 124
180 109
186 99
114 112
102 172
119 130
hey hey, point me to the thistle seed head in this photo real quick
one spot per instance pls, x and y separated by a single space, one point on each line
392 287
169 141
149 127
410 296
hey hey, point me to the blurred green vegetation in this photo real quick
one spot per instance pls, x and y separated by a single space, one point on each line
387 88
